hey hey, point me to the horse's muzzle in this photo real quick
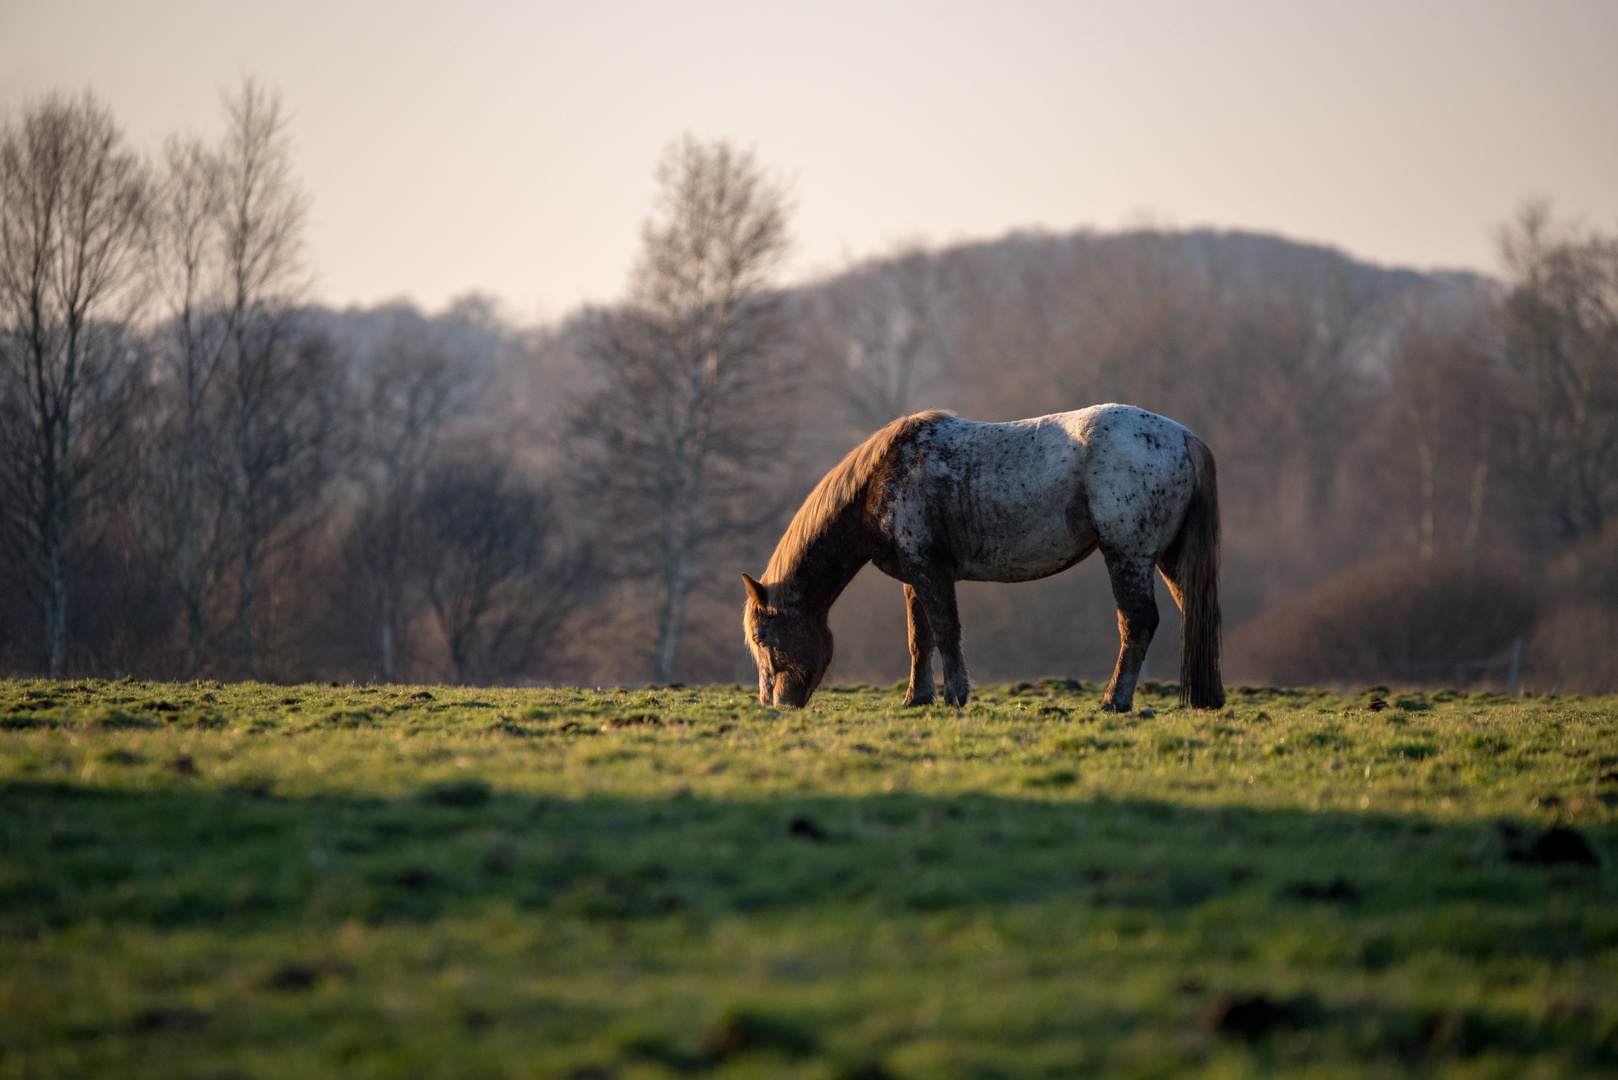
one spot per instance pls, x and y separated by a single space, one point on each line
793 693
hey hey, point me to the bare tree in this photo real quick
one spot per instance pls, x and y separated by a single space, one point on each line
882 325
413 387
1443 421
694 392
494 566
277 414
1562 338
72 211
285 404
190 263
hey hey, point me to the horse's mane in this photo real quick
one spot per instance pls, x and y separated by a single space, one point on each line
839 487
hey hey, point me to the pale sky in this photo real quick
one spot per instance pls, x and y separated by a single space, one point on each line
509 147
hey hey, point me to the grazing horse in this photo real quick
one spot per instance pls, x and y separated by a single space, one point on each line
932 499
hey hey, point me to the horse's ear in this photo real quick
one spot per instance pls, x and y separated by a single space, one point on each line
760 595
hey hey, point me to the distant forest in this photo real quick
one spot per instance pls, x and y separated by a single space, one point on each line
203 474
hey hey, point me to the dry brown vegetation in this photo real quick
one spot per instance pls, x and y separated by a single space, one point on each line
1413 621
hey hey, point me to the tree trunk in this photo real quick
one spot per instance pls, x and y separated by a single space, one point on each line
55 597
677 587
250 542
680 513
679 581
674 553
190 585
53 531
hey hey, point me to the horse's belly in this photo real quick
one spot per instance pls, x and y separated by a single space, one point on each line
1036 550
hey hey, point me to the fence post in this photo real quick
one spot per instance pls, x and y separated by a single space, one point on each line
1516 663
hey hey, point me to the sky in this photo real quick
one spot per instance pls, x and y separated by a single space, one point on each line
509 147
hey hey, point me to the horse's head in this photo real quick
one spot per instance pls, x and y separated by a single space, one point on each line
792 649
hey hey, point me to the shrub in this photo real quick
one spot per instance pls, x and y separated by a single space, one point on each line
1400 620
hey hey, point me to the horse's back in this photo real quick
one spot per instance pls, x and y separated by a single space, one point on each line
1029 498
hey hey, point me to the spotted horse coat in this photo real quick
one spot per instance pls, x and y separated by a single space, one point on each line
933 499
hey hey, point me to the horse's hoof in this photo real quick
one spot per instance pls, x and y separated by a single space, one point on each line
915 703
1113 706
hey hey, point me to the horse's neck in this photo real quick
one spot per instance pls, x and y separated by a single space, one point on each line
829 563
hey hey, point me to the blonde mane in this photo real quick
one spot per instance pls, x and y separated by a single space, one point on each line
839 487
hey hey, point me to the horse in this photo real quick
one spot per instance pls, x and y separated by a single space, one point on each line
932 499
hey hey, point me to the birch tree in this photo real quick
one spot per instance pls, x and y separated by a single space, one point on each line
412 388
1562 339
72 211
278 414
695 395
190 262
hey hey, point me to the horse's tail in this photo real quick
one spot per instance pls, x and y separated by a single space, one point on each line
1192 566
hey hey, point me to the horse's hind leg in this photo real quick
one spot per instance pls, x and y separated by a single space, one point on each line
1137 622
921 651
937 600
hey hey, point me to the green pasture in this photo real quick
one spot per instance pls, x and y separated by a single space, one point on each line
258 881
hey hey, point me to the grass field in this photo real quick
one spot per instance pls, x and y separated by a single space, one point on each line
262 881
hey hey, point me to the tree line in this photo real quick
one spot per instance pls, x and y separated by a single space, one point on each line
204 474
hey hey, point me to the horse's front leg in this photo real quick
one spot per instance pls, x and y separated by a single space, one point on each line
937 597
922 645
1137 622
